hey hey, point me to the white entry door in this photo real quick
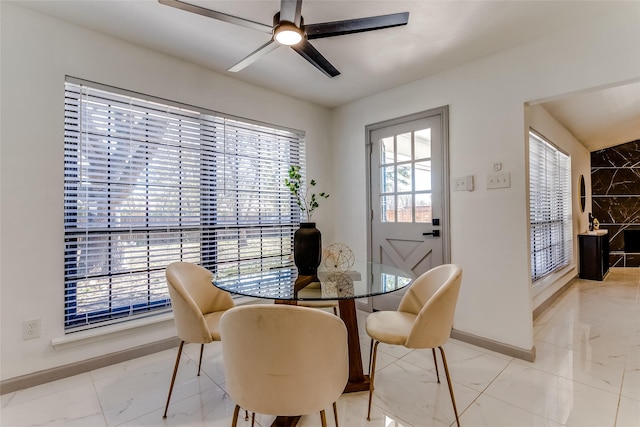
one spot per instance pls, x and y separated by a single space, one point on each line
408 181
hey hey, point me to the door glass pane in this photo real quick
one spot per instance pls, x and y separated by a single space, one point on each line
423 208
386 150
387 209
404 177
400 172
404 147
423 144
405 208
423 176
387 179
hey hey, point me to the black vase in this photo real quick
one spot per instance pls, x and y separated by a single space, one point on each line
307 249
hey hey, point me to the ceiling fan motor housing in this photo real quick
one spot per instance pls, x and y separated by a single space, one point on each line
287 33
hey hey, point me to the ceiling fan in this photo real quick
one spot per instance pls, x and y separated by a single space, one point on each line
289 29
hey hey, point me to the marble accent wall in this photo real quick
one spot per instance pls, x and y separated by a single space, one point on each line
615 189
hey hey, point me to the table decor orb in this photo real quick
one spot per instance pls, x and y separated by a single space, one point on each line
343 283
338 257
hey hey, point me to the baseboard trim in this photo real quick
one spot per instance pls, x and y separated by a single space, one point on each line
59 372
509 350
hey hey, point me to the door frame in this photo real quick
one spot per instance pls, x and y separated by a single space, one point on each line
445 227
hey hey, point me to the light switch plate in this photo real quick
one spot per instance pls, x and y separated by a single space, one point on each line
499 180
463 183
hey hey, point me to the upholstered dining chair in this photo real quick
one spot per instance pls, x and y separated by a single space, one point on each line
284 360
197 307
423 320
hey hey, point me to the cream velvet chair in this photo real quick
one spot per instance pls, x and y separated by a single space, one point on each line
284 360
197 308
423 320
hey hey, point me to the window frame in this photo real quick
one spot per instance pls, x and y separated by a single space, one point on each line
276 217
550 214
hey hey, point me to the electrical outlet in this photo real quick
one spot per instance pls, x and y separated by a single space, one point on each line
31 329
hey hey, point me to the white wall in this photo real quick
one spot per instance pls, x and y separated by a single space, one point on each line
36 54
489 228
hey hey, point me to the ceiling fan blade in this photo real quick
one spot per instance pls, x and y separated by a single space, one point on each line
308 52
254 56
217 15
290 11
358 25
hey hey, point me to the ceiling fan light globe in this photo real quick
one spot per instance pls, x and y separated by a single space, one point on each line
287 34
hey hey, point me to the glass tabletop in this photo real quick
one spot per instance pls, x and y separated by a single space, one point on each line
363 279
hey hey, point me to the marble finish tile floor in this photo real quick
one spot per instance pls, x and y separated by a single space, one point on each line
586 374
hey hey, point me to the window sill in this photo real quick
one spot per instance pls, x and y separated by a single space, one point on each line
110 331
545 288
107 332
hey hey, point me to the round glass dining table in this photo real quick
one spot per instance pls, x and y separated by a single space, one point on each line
284 285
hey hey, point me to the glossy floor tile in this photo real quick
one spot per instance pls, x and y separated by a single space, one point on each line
586 373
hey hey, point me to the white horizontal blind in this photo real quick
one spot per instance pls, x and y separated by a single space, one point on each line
550 207
148 183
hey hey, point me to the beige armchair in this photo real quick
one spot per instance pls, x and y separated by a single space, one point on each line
197 308
284 360
423 320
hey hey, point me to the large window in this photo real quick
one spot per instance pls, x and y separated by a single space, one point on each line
148 182
550 207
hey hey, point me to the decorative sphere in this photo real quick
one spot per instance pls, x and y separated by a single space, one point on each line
343 284
338 257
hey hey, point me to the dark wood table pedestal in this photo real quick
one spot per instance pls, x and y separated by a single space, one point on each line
286 421
358 381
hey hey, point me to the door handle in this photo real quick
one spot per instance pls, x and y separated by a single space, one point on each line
434 233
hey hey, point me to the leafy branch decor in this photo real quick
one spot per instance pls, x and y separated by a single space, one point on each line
308 203
307 240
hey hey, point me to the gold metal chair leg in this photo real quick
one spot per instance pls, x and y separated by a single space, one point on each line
173 378
371 377
200 362
323 418
435 362
453 399
370 355
335 413
234 421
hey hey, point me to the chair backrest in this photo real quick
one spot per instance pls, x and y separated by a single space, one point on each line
283 359
193 296
432 298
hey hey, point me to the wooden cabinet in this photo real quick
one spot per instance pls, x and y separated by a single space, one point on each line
594 254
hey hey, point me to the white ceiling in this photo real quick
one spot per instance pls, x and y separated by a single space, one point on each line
600 118
440 35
